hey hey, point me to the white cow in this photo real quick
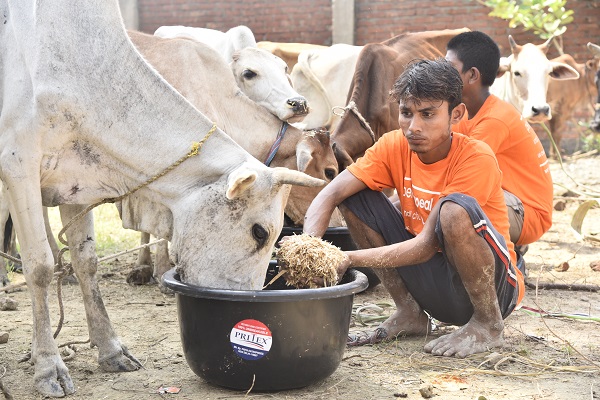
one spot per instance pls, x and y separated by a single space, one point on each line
324 76
226 43
201 76
526 84
261 75
86 118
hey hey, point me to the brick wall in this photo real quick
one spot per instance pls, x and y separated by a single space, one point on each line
276 21
378 20
375 21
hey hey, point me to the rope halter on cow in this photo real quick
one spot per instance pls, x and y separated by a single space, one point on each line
341 112
275 147
196 146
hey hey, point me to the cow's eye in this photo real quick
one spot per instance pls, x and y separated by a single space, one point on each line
247 74
259 234
330 173
517 73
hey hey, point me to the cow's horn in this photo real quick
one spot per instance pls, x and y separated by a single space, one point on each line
291 177
514 47
546 45
594 48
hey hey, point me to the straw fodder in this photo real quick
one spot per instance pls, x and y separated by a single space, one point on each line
304 259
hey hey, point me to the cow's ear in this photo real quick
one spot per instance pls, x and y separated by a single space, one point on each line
235 56
303 156
503 67
238 181
592 65
594 48
563 71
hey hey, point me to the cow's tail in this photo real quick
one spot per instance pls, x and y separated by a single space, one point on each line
8 231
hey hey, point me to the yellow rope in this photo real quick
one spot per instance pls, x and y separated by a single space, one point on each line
196 146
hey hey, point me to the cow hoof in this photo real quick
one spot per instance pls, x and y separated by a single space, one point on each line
53 380
122 362
141 275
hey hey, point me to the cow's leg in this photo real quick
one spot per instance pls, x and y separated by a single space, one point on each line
144 256
141 274
51 374
162 264
112 355
4 214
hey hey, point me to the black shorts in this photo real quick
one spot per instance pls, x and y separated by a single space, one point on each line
436 284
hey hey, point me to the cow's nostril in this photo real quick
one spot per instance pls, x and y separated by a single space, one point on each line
298 105
541 110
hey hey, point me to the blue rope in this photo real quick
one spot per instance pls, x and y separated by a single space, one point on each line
276 144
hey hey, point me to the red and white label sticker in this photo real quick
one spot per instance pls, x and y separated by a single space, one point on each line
251 339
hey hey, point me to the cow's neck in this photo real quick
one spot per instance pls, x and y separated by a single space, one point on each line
98 144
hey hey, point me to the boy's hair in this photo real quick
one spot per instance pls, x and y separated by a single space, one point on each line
429 80
476 49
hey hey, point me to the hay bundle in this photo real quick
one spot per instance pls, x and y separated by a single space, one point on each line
303 258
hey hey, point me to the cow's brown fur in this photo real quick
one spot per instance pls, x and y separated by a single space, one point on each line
377 68
288 52
566 96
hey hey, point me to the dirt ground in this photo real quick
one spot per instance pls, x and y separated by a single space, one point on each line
552 357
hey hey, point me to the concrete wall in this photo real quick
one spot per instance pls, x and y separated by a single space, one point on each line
129 11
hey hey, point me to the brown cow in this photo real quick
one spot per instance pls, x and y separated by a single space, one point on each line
564 96
595 122
370 113
288 52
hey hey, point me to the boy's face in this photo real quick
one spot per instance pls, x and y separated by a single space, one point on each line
453 58
427 128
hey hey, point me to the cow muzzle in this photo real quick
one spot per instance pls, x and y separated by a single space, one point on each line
299 105
540 113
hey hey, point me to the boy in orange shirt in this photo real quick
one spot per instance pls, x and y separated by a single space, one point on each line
445 251
526 178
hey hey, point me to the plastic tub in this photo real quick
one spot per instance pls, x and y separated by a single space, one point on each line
268 340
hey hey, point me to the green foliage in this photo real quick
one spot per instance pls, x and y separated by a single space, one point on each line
590 141
546 18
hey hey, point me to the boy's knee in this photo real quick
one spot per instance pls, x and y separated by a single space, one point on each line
454 219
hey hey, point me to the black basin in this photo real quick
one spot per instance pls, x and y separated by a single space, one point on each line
267 340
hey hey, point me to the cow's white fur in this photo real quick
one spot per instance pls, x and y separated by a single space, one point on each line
201 75
523 79
323 76
261 75
85 118
226 43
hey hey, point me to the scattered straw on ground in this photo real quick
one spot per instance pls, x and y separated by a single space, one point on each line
305 258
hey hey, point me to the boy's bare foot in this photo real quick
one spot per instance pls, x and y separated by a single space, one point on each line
397 324
474 337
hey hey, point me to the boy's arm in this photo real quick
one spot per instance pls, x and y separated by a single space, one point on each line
319 212
414 251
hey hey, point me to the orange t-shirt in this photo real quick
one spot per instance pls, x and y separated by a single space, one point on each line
522 160
470 168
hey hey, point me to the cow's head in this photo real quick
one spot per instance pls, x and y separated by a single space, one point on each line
314 156
264 78
530 72
595 123
222 233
